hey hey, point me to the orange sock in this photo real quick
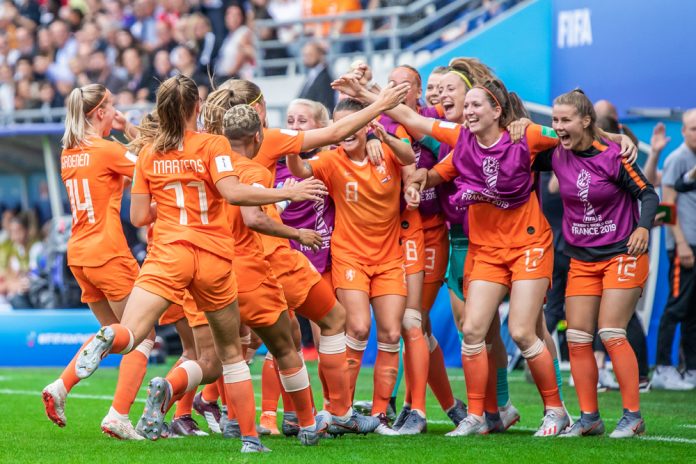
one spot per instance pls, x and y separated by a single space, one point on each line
176 364
438 379
184 378
354 360
623 359
430 291
239 392
324 386
130 377
211 392
123 338
583 368
407 376
544 375
416 359
490 404
270 386
476 377
288 404
296 382
386 369
68 376
185 404
334 368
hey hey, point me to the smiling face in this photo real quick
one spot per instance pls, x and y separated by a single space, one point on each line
571 127
300 117
453 91
432 89
479 113
356 142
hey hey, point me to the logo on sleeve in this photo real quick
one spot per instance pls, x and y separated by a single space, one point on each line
290 132
223 163
548 132
447 124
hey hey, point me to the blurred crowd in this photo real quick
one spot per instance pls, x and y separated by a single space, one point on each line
47 47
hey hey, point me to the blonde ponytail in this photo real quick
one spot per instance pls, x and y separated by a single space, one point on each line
81 102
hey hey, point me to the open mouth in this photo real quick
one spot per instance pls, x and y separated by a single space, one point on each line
565 139
349 139
447 105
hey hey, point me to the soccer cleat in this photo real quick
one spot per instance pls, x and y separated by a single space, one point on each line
156 405
363 407
669 378
309 436
383 427
253 445
458 412
630 425
644 385
495 423
186 426
324 420
117 426
269 422
53 397
690 376
210 412
509 415
554 422
587 425
91 355
414 424
231 429
606 380
356 423
470 425
401 418
290 425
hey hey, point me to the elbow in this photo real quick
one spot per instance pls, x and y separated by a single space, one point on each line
139 220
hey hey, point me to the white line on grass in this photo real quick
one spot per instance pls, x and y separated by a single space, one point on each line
690 441
689 426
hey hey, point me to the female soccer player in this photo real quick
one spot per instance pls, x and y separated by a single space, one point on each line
367 261
607 240
93 170
190 176
432 87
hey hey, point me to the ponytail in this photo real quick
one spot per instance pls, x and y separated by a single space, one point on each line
176 102
82 102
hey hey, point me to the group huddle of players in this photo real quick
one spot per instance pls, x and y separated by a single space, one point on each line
368 214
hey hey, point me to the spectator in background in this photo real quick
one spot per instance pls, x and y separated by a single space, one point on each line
201 34
24 42
337 29
260 11
137 77
21 259
66 49
681 248
48 99
99 71
165 37
317 85
144 27
162 70
7 89
658 142
237 56
184 61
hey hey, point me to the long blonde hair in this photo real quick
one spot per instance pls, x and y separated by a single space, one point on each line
231 93
81 103
176 102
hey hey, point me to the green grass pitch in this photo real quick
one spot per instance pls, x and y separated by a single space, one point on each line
28 436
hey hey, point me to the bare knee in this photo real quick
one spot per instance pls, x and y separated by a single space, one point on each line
211 367
523 337
390 336
334 321
473 333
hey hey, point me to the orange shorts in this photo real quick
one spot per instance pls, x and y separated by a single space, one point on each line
621 271
111 281
506 265
295 273
412 241
375 280
436 253
188 310
262 306
320 300
326 277
172 268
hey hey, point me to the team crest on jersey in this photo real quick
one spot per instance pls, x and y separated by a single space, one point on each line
491 168
583 185
382 169
350 275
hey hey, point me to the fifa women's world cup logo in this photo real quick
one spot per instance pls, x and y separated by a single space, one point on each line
583 184
491 168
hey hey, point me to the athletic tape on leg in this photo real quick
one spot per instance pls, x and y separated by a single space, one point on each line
295 382
535 350
332 344
578 336
609 333
237 372
355 344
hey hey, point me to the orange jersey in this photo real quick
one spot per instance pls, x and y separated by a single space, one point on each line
249 262
93 176
276 144
367 205
182 183
488 224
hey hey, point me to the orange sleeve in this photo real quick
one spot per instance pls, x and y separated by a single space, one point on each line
221 159
140 184
401 134
540 138
446 132
445 168
121 160
321 166
284 141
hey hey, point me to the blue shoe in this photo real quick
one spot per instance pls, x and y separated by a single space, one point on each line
494 423
356 423
414 424
151 423
630 425
401 418
290 426
587 425
458 412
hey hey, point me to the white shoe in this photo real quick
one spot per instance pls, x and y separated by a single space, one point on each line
555 421
53 397
383 427
607 380
509 415
668 378
470 425
119 426
690 376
